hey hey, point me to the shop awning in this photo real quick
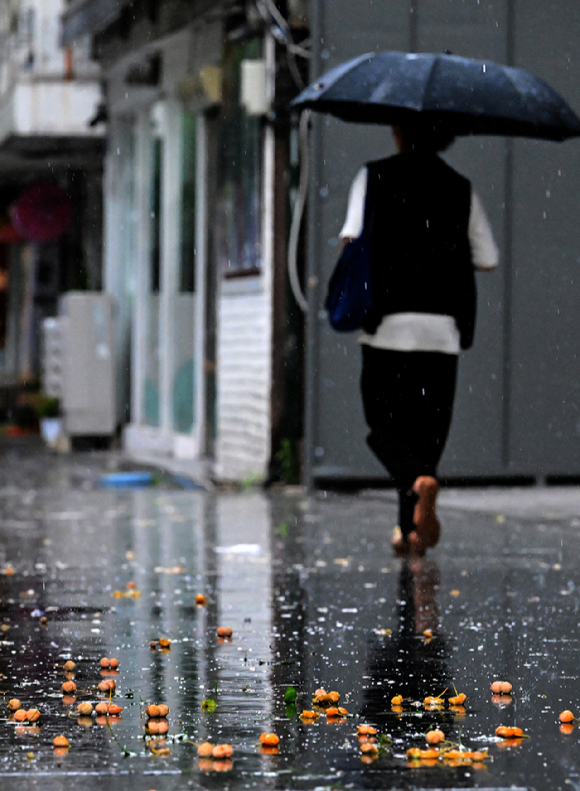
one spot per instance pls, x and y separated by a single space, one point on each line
90 16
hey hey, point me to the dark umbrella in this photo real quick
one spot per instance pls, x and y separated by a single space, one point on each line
463 95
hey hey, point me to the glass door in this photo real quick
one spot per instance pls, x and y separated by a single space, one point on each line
183 377
151 385
169 311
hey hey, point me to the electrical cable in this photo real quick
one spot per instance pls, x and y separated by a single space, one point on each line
281 31
298 212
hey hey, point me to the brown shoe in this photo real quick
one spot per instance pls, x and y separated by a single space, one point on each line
427 525
411 546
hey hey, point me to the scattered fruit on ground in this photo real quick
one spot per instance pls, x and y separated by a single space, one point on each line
435 736
221 751
204 750
501 687
269 739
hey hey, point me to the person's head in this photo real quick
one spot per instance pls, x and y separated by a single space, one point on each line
422 136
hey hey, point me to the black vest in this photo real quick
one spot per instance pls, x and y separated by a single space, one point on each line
421 257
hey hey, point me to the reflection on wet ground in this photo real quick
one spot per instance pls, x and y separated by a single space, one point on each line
314 599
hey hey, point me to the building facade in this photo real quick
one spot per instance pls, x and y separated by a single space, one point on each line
49 95
194 161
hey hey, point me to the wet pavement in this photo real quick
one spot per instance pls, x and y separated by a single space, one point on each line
315 599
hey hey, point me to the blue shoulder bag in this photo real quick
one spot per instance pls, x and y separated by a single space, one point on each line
349 299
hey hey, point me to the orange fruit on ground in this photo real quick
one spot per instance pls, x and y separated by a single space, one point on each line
69 666
308 715
152 710
163 710
200 600
20 715
501 687
164 642
68 687
566 716
14 704
104 662
435 736
204 750
222 751
85 709
224 631
114 663
60 741
269 739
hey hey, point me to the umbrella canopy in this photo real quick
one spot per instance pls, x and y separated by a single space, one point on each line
462 95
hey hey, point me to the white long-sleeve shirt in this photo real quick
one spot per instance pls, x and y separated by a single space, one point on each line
426 332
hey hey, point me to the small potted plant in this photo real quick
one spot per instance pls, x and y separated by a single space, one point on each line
50 420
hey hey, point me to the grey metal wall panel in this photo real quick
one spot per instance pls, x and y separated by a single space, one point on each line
345 29
476 443
518 401
544 426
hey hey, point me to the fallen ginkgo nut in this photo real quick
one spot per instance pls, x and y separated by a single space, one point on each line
204 750
501 687
269 739
222 751
435 736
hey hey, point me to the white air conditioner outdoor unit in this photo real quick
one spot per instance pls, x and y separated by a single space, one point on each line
88 365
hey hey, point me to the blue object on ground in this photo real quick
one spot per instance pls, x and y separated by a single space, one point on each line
127 480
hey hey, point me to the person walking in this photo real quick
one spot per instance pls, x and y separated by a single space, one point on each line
428 234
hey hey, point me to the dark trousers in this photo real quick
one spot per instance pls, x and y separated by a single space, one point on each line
408 402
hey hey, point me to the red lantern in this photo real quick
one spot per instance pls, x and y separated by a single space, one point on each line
42 213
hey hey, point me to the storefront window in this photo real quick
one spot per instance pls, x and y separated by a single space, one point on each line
184 306
187 263
237 227
151 391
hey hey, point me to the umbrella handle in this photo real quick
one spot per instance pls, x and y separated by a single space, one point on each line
298 213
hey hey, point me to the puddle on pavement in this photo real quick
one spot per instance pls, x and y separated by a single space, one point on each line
314 599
